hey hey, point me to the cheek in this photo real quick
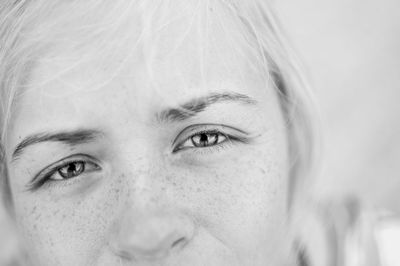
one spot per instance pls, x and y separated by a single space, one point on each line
65 231
242 202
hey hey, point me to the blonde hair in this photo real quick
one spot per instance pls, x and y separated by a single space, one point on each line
24 34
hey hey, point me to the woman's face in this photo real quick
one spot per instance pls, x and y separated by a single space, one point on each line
105 169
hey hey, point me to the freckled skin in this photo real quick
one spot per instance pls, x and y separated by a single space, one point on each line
147 205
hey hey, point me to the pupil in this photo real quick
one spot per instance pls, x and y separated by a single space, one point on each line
72 168
203 139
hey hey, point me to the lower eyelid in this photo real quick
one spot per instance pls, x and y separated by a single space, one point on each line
212 150
55 184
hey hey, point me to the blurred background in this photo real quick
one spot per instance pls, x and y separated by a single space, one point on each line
351 50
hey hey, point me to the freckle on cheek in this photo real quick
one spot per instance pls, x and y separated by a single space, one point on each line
34 210
262 170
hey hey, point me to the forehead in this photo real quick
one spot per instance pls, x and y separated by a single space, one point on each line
150 52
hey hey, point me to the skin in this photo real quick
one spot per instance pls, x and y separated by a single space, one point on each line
141 199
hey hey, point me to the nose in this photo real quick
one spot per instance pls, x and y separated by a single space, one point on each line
151 236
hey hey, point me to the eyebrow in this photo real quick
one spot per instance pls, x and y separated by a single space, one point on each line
197 105
72 138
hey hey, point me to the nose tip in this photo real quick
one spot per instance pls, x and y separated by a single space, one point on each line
152 237
153 246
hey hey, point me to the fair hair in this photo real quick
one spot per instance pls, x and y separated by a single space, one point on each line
25 34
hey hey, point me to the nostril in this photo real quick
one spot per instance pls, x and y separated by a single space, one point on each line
151 236
179 242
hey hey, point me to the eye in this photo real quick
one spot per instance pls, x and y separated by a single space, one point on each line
204 139
201 136
70 170
65 169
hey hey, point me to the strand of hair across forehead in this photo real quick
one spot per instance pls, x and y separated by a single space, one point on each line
8 34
